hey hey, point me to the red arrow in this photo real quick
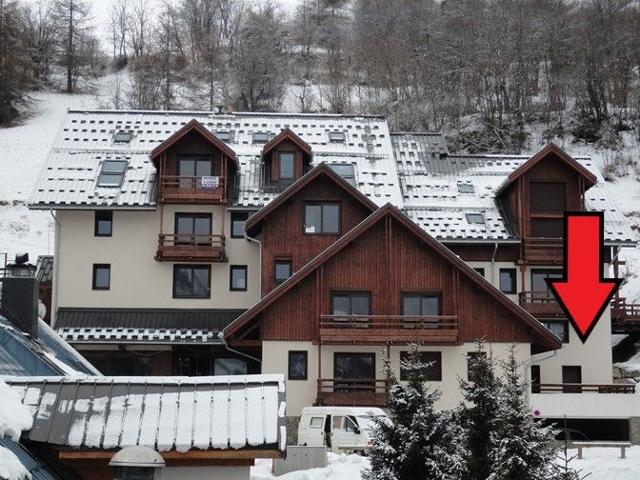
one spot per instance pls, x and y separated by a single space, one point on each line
584 293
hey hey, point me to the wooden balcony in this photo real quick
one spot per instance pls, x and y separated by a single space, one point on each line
191 248
625 317
388 329
352 392
582 388
540 304
542 251
196 190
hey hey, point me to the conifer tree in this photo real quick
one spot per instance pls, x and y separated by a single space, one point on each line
417 442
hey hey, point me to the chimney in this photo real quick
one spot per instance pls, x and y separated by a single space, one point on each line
19 293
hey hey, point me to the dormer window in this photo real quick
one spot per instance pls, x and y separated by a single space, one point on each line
122 137
466 188
112 173
337 137
346 171
286 166
475 218
261 137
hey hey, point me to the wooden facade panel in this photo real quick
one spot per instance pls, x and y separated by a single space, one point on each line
283 235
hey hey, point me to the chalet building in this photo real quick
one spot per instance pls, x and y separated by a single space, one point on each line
318 246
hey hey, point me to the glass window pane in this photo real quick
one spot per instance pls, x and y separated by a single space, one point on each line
204 168
114 166
184 225
341 305
229 366
411 305
430 305
283 271
202 225
297 366
316 422
109 179
183 281
360 305
238 278
187 167
238 220
200 282
330 218
286 165
102 276
508 280
313 219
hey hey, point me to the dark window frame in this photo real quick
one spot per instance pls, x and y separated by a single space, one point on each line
191 266
515 280
276 261
122 136
244 221
350 293
536 385
369 355
557 321
96 221
293 160
434 370
246 277
421 294
193 216
480 271
94 271
290 375
195 158
120 172
322 204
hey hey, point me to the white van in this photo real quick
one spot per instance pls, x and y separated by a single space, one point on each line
341 429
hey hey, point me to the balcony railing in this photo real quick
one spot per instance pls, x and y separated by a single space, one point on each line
192 248
582 388
352 392
542 250
540 304
388 328
183 189
625 317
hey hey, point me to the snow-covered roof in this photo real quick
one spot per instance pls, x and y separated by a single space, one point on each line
164 413
439 191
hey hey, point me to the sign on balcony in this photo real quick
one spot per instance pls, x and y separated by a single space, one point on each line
209 183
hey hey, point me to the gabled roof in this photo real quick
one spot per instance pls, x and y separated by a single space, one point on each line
163 413
286 134
550 149
540 332
321 170
192 126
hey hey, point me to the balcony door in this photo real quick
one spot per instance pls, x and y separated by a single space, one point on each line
351 307
547 203
354 372
193 229
192 168
418 308
572 379
539 288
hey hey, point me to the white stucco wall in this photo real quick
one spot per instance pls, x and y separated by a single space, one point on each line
137 280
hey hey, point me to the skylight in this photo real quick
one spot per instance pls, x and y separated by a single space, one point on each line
112 173
122 137
346 171
261 137
475 218
466 188
225 135
337 137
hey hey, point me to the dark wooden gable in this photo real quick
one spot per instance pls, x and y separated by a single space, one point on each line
286 142
388 255
280 225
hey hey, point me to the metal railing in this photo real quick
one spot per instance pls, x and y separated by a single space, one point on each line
388 322
582 388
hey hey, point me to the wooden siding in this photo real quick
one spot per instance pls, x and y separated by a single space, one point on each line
283 234
388 260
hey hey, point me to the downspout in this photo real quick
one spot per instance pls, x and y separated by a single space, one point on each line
56 268
237 352
493 263
527 370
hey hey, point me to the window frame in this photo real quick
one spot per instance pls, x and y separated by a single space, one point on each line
420 295
478 218
515 281
337 136
112 172
94 271
276 261
192 216
322 204
305 355
480 271
557 321
232 220
96 222
193 267
437 364
244 268
466 188
351 178
260 138
293 166
127 133
350 294
196 158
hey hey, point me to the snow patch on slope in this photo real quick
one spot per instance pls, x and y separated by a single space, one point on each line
14 418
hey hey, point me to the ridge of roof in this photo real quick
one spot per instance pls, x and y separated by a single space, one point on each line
228 115
548 338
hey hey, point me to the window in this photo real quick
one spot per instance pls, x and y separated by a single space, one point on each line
572 379
286 164
193 228
112 173
343 424
192 281
282 270
480 270
354 366
316 422
229 366
190 362
101 276
122 137
103 224
238 278
560 328
337 137
540 289
225 135
238 219
322 218
508 280
547 227
191 167
535 379
351 303
297 365
548 197
472 358
261 137
466 187
346 171
420 305
475 218
432 371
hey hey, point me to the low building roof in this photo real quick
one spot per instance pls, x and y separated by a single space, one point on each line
44 268
163 413
143 325
31 463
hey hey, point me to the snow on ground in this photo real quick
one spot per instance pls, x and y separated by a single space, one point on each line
14 418
602 463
